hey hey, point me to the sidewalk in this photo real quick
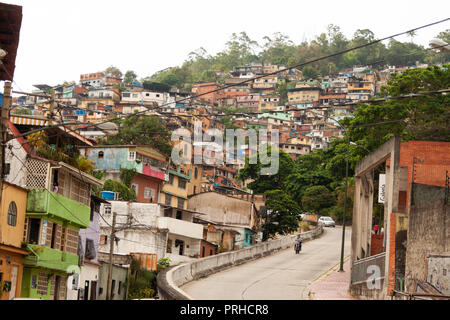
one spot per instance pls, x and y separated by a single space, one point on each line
334 285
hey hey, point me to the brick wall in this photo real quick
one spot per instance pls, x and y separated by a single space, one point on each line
391 258
432 159
376 244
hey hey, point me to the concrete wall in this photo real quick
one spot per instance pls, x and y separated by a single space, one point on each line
119 274
221 208
428 235
170 279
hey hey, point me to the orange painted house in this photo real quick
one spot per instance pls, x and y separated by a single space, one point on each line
12 223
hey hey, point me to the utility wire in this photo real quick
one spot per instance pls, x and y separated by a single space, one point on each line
287 69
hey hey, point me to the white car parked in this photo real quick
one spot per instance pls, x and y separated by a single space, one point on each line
327 221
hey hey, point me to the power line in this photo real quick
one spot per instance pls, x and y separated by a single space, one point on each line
287 69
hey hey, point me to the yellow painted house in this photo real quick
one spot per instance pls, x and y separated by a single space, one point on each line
12 222
174 192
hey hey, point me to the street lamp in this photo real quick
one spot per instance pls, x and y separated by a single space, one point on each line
341 267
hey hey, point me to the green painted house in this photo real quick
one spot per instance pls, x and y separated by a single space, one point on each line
58 205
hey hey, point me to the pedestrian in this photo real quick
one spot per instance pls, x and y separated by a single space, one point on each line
375 228
297 247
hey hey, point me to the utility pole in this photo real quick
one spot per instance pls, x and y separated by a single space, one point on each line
51 108
4 129
111 250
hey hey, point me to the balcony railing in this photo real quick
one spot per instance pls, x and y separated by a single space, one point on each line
41 202
360 269
44 257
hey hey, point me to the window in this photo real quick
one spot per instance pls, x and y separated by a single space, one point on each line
131 155
113 284
170 179
195 173
181 183
12 214
35 225
100 154
103 239
120 285
168 199
149 193
134 186
179 215
90 249
107 209
181 203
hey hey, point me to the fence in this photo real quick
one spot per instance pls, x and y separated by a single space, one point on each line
360 269
396 295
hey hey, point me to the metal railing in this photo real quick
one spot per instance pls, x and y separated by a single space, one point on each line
360 269
418 296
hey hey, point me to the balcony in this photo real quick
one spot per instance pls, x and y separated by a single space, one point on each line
49 258
41 202
181 227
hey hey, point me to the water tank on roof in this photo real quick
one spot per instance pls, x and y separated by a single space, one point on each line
108 195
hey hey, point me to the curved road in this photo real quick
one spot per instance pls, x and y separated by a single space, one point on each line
282 276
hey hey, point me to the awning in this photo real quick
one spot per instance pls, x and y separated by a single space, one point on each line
28 121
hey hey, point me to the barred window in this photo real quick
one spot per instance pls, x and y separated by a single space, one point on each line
42 285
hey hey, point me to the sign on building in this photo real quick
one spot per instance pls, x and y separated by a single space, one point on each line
382 189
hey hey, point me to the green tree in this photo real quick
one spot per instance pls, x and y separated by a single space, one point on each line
416 118
144 130
125 193
112 71
263 183
317 199
282 216
129 77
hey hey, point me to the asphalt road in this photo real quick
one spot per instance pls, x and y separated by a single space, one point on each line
282 276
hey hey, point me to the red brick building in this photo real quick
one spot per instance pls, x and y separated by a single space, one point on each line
203 89
424 162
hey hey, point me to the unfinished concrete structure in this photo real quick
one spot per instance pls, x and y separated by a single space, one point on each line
362 221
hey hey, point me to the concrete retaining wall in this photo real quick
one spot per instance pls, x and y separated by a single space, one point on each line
170 279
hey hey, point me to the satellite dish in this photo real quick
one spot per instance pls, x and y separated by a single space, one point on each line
440 45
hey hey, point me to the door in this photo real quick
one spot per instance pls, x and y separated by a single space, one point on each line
86 290
14 271
57 289
93 290
181 247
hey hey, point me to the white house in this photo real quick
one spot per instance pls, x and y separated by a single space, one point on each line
150 228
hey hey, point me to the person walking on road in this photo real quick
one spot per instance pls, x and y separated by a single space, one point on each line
298 245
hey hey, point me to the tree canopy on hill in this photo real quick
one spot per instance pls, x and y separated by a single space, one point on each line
279 49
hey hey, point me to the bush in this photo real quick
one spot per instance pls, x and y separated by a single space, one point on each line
304 226
126 193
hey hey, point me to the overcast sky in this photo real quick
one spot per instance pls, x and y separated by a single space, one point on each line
61 39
